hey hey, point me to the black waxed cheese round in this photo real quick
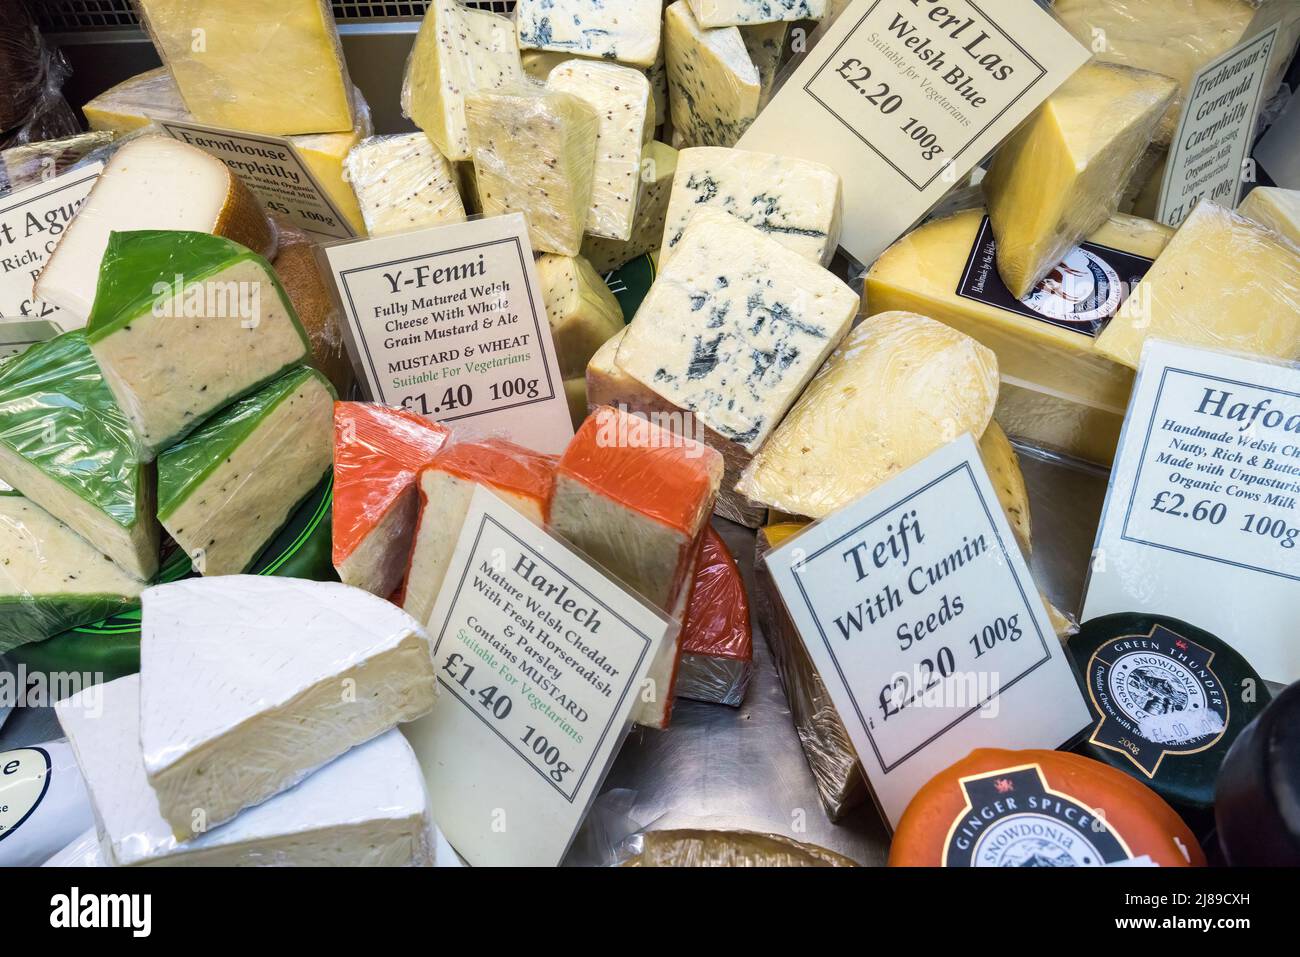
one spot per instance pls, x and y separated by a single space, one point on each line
1257 801
1167 699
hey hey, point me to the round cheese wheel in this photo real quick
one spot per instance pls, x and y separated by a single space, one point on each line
999 808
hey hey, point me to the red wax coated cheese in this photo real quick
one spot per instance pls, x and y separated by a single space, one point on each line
717 640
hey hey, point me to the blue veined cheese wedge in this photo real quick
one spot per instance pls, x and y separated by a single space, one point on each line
368 808
626 30
51 578
714 89
738 13
66 445
185 323
796 202
225 491
734 327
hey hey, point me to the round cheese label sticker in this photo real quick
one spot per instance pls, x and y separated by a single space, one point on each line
1082 288
24 781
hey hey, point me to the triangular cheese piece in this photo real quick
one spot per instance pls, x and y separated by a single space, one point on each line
717 640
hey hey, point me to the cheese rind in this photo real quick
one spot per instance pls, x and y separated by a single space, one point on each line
250 683
628 30
292 79
1276 208
734 326
793 201
402 182
225 491
714 89
655 183
311 294
535 153
726 13
1223 282
583 313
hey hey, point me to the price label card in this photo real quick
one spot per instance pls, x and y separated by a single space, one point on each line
540 658
904 97
32 221
272 169
448 322
921 617
1202 517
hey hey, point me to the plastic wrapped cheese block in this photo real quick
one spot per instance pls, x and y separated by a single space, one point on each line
250 683
538 65
32 163
655 182
51 578
1003 466
624 107
368 807
717 641
793 201
999 808
898 388
535 153
66 445
634 498
1059 423
1223 282
728 13
1278 209
227 489
312 297
183 324
153 182
265 68
43 801
524 479
402 182
378 453
583 313
1061 173
1167 700
692 848
627 31
458 50
714 89
734 327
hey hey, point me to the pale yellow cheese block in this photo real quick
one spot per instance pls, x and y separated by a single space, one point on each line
1059 423
1063 171
658 167
1223 282
575 393
1276 208
583 313
1003 465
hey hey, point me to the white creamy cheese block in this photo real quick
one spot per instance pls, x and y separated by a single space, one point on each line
624 30
796 202
368 807
538 64
621 97
249 683
402 182
732 13
734 327
714 89
658 166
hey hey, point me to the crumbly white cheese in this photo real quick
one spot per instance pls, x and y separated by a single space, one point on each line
623 30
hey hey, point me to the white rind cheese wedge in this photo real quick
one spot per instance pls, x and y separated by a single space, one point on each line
402 182
714 90
621 97
623 30
458 50
367 808
734 13
154 182
734 327
793 201
249 683
583 313
898 388
1276 208
658 167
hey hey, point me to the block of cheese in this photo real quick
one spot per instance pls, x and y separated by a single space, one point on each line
999 808
1062 172
33 163
226 490
311 294
249 683
627 31
66 445
714 89
51 578
457 51
538 64
793 201
1052 347
402 182
248 65
696 848
524 479
183 324
535 153
624 107
1223 282
575 394
153 95
655 183
153 182
369 807
734 327
635 498
378 454
898 388
1059 422
1003 465
717 640
765 43
734 13
1276 208
583 313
